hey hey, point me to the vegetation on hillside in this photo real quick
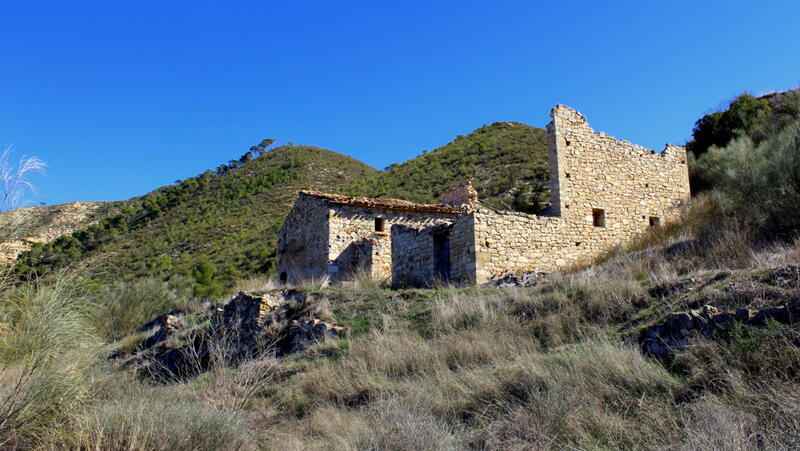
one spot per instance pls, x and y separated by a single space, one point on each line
217 227
555 366
505 161
754 177
746 117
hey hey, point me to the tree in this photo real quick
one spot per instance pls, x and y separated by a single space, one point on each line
262 146
745 116
205 286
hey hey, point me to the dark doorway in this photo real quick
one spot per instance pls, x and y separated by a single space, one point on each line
441 256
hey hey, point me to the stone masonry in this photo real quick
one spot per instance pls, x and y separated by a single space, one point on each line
605 191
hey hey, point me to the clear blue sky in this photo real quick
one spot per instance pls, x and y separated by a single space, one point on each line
120 97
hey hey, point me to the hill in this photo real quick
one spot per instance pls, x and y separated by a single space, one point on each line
20 229
221 224
505 161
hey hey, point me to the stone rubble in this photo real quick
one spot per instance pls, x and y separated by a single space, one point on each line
279 323
676 331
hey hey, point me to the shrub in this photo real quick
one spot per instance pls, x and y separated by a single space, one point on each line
47 348
758 185
124 306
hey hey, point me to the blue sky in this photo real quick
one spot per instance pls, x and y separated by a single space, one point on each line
121 97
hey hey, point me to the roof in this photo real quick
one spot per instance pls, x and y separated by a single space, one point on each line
386 204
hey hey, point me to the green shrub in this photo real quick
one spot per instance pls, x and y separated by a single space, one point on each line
124 306
758 184
47 349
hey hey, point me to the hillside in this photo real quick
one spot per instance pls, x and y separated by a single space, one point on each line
20 229
505 161
227 218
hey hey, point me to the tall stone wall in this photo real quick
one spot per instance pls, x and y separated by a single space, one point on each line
605 192
303 241
591 170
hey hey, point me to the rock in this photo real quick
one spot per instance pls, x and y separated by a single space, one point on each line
744 314
779 314
675 331
165 326
279 322
678 321
526 279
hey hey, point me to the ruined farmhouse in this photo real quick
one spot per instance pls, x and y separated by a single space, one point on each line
604 191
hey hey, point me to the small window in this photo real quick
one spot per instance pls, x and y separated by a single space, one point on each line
598 217
283 278
379 224
655 221
566 174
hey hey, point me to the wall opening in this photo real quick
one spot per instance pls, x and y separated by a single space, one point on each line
380 224
655 221
441 256
283 277
598 217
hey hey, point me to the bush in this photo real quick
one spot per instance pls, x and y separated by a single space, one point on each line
758 185
124 306
47 348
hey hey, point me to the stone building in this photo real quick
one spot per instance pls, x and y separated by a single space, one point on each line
604 192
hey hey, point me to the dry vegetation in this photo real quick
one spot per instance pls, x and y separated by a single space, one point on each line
549 367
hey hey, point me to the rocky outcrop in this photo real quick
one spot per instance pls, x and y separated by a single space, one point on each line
676 331
22 228
526 279
279 323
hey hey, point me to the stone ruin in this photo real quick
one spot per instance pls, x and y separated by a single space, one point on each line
276 323
604 192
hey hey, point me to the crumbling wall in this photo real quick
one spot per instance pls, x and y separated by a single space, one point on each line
412 257
303 241
351 224
605 191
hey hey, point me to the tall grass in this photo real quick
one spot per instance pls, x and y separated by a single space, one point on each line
157 420
15 178
48 347
124 306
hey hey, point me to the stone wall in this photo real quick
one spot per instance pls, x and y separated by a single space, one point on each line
303 241
355 245
605 192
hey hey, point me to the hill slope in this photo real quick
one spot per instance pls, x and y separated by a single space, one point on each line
505 161
23 227
222 225
228 218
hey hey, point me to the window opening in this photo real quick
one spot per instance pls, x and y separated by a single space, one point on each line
598 217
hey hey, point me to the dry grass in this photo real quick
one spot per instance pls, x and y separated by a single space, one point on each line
256 284
515 368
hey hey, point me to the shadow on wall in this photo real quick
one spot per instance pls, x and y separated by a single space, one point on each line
355 259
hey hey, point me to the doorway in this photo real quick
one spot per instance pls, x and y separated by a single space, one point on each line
441 256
